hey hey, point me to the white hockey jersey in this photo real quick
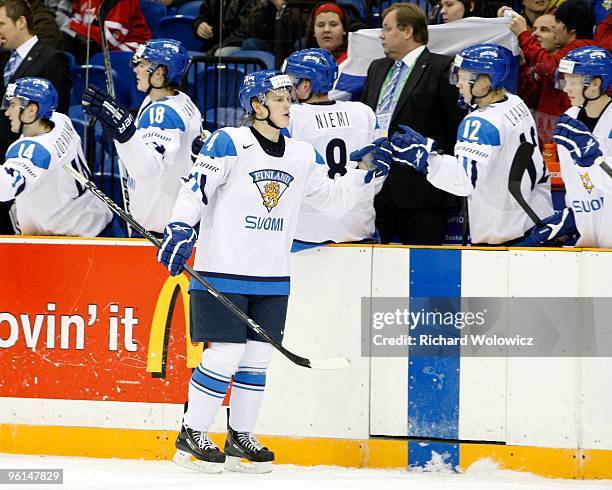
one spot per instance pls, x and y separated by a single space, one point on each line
487 140
248 202
48 199
157 156
336 129
587 190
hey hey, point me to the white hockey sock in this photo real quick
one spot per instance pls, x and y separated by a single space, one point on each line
209 383
248 386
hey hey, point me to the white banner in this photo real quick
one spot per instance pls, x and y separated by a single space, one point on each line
364 47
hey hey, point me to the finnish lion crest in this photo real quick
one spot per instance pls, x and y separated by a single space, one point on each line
586 182
271 185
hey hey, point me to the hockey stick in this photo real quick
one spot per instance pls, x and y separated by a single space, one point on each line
105 7
606 168
522 159
336 363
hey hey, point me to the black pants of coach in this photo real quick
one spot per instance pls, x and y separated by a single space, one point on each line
412 226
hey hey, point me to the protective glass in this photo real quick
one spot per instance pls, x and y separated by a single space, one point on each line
10 95
570 80
458 74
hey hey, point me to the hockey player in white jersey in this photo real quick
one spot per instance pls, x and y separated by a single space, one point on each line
155 148
47 198
245 190
487 140
335 129
583 137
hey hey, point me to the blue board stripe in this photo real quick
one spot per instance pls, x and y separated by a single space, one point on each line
433 381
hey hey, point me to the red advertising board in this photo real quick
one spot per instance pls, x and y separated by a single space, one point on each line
92 320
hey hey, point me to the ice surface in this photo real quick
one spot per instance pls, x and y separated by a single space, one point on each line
108 474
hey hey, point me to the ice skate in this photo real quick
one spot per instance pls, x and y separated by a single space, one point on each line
192 444
245 454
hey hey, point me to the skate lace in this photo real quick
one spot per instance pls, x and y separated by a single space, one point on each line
249 441
202 440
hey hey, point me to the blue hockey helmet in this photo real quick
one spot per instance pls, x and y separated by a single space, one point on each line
588 61
32 89
164 52
485 59
316 65
258 83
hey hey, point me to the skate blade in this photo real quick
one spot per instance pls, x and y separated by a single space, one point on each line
233 463
187 460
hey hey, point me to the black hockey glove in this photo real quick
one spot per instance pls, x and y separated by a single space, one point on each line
115 118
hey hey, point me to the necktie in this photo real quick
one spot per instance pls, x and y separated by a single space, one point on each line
389 90
10 67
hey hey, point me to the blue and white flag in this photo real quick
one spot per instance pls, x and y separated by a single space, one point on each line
364 47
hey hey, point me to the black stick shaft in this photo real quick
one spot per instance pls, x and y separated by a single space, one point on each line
606 168
520 162
105 7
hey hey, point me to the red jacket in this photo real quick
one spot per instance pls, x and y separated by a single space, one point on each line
537 82
603 33
125 24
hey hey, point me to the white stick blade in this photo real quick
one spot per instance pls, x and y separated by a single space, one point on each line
337 363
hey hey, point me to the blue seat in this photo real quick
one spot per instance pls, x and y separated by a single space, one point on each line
179 27
153 11
355 9
215 86
93 75
267 58
190 8
126 80
71 58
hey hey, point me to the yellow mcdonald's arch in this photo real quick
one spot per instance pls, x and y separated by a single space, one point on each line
162 320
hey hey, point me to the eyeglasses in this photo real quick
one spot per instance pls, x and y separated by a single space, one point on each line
387 28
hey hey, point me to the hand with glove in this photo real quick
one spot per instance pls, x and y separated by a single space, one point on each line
555 228
116 119
411 148
176 246
381 157
578 139
197 143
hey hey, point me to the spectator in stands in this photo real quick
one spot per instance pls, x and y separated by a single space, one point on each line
45 26
603 33
262 27
62 9
537 89
460 9
328 29
125 24
532 9
221 39
410 86
26 56
574 24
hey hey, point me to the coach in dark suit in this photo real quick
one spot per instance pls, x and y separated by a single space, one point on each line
411 87
24 55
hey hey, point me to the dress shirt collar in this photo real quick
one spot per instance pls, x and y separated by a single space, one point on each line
411 57
25 48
